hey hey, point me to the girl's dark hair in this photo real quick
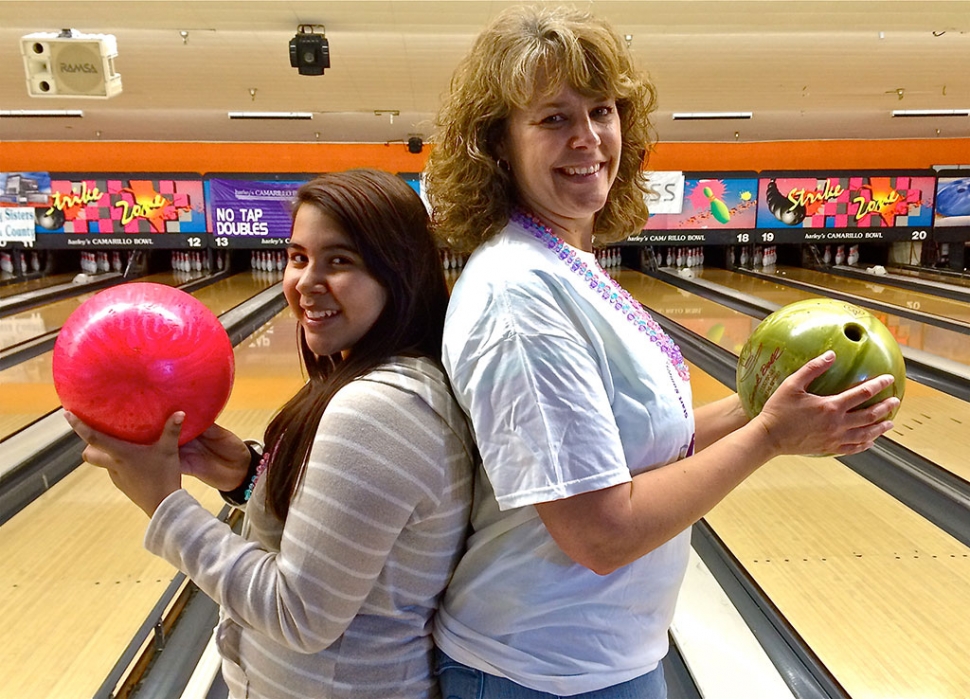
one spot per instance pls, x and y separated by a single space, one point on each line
389 224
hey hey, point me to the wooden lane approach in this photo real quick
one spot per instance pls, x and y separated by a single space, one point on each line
930 423
77 583
880 595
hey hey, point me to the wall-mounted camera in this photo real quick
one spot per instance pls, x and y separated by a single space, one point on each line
309 52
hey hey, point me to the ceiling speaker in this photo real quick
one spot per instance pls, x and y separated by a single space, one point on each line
70 64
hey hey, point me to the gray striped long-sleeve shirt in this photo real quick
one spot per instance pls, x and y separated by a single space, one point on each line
338 600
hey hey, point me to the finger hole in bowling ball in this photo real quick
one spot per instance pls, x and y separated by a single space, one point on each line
854 332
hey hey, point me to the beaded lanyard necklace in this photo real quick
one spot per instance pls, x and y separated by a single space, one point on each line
608 289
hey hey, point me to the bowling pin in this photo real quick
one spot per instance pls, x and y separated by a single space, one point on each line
744 256
853 258
840 255
758 258
827 256
719 209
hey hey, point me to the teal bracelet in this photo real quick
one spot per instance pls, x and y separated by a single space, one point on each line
238 497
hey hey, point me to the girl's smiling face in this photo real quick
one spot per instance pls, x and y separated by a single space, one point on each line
327 285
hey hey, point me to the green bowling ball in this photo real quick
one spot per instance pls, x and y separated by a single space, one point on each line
801 331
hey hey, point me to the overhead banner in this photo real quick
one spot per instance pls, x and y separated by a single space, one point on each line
666 192
251 213
951 217
25 188
416 182
17 226
713 209
20 193
121 212
845 207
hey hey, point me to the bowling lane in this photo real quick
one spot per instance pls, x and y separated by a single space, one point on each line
932 275
26 325
28 390
76 581
928 338
35 284
923 302
930 423
876 591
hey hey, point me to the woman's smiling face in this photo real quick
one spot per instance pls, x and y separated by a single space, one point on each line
564 153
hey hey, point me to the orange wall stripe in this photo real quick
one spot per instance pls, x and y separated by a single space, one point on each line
812 155
88 156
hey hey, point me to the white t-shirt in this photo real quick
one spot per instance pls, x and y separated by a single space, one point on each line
571 387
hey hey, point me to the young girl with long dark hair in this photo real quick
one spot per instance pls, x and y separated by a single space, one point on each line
358 508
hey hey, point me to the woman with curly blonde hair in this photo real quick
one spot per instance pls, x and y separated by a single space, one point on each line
508 69
592 468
